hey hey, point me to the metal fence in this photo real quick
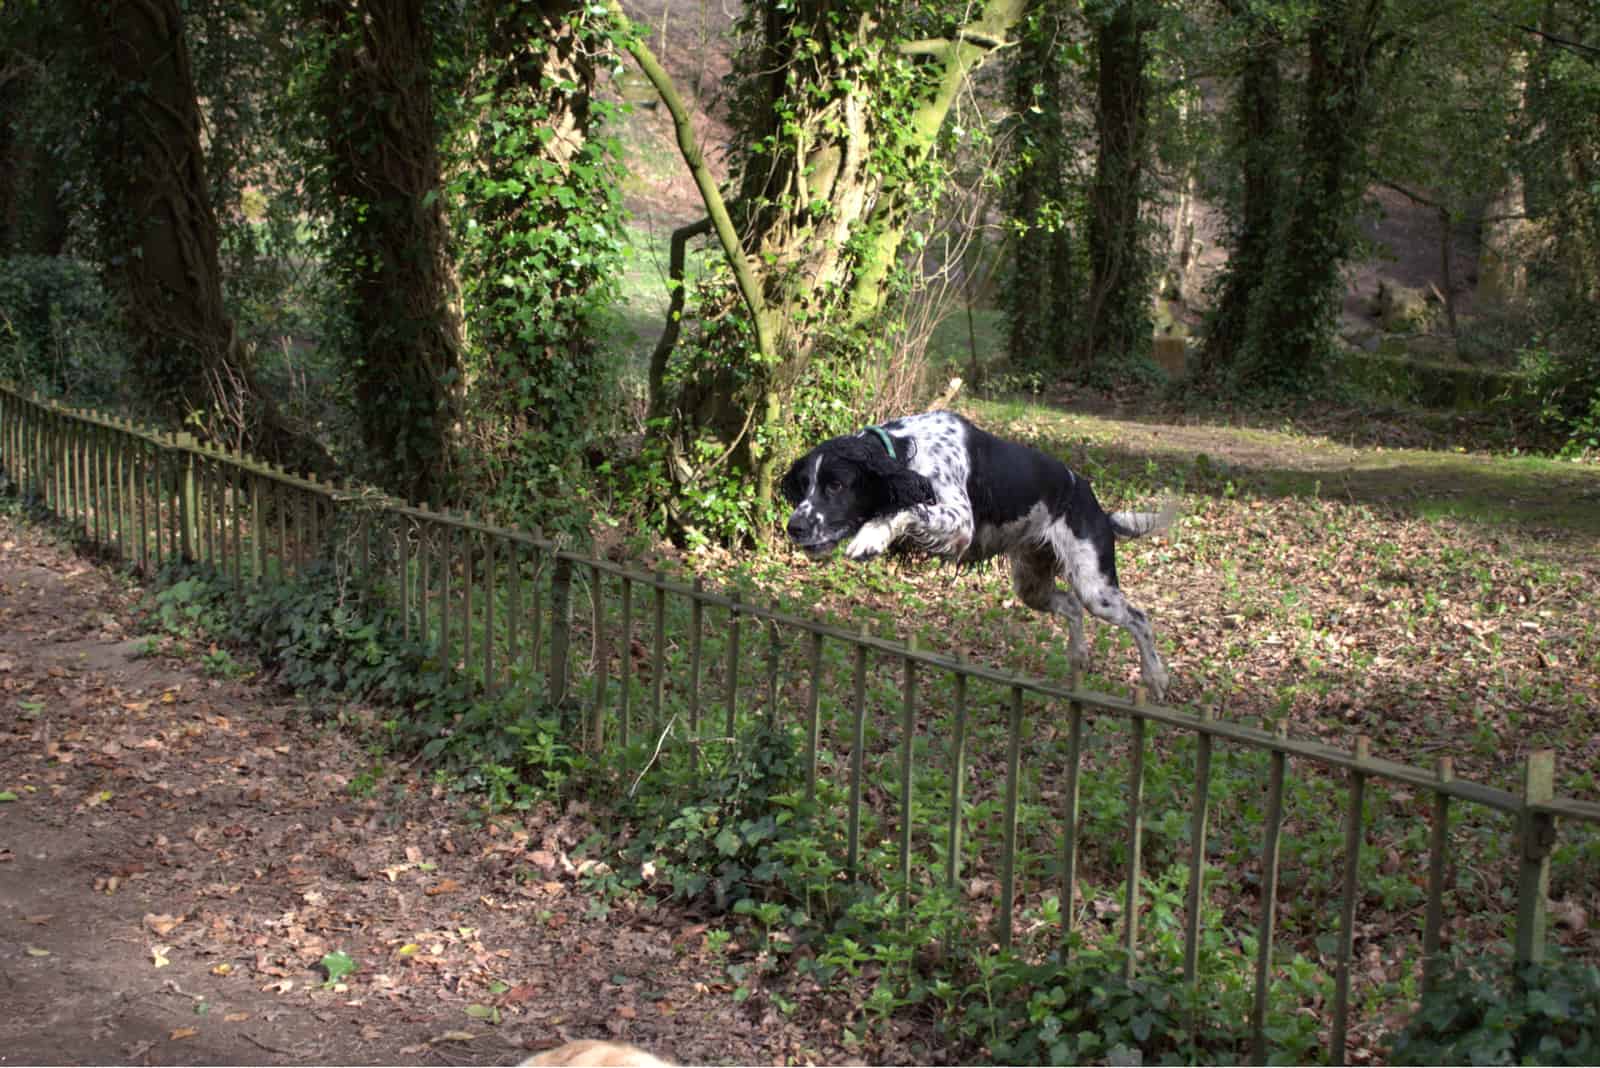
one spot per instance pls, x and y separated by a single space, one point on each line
499 606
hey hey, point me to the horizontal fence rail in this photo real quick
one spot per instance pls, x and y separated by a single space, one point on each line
516 612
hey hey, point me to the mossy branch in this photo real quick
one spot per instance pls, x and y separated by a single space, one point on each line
694 159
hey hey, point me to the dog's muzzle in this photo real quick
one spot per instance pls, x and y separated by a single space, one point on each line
804 530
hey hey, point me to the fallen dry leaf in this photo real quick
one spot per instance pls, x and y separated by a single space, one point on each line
162 923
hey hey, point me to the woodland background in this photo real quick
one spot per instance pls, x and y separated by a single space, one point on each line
454 249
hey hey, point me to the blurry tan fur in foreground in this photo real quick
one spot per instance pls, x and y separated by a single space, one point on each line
590 1053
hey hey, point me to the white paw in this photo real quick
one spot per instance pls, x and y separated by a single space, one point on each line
1156 682
870 541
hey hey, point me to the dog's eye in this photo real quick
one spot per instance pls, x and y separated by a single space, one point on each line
832 486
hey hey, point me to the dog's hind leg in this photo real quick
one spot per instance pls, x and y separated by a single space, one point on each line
1097 590
1033 576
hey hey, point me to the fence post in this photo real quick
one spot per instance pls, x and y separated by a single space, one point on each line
1197 847
1538 833
560 626
1353 835
958 777
908 733
1270 853
858 741
658 647
1438 853
1130 927
1069 815
813 717
1008 859
602 657
186 496
696 622
732 671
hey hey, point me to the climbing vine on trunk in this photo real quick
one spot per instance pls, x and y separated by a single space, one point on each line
838 111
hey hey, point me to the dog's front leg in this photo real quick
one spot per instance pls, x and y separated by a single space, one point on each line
875 537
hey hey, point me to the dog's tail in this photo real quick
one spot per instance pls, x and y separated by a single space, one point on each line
1138 524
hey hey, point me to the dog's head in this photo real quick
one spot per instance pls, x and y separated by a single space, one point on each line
841 485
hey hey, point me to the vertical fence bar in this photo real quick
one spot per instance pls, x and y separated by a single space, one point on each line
513 609
210 476
696 618
447 538
236 514
402 551
258 537
1069 819
1438 865
1538 834
732 695
314 500
658 648
1008 859
114 495
1270 842
187 498
958 778
468 540
80 463
602 658
774 653
536 601
625 662
1130 929
490 566
1197 849
141 479
858 741
280 511
425 537
908 734
813 717
560 625
1353 835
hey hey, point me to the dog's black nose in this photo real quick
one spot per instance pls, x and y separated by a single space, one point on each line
799 526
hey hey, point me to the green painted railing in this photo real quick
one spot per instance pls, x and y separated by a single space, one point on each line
499 605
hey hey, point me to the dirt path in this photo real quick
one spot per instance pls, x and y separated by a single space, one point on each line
181 852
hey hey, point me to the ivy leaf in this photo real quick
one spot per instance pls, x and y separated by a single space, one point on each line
338 964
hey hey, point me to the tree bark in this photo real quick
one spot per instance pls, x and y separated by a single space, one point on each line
1044 296
821 221
161 237
378 111
1257 124
1118 317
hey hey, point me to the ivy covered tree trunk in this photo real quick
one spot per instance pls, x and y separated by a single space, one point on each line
377 110
1255 133
1045 294
1118 313
541 247
33 218
1291 295
836 117
157 228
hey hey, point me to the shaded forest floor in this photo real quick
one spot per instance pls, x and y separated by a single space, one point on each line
178 854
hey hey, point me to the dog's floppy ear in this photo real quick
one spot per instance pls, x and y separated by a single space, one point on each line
793 486
902 487
907 488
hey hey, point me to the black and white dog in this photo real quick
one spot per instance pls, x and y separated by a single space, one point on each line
935 483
